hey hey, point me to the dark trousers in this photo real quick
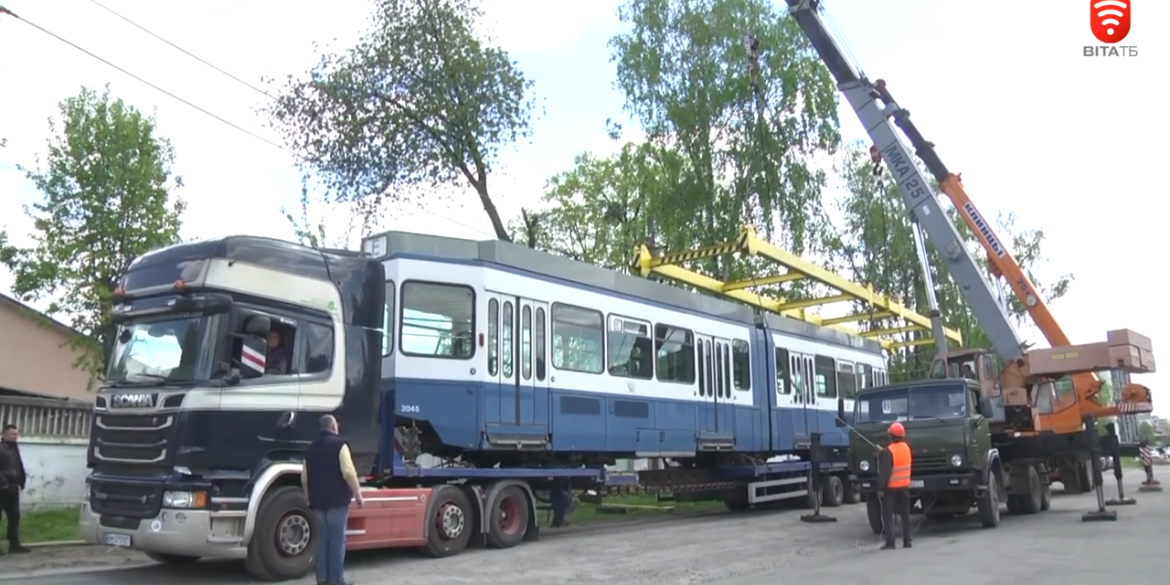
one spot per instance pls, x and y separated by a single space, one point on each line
10 509
898 499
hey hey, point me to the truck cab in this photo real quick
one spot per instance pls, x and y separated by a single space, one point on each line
949 437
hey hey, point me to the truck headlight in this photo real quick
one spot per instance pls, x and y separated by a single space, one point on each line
184 499
957 460
864 465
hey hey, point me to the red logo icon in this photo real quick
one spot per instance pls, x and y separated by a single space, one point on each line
1109 19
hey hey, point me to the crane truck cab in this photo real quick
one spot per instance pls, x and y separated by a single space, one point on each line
955 465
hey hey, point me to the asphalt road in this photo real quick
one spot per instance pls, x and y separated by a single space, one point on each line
751 548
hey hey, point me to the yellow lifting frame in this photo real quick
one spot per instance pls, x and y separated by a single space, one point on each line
796 268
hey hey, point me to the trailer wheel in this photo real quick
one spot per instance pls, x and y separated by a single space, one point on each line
170 559
1046 497
834 491
873 511
508 519
1031 502
451 524
988 504
284 541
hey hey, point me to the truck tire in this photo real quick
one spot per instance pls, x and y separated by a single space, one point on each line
852 495
988 504
508 518
170 559
834 492
1031 502
1046 497
873 511
284 541
451 523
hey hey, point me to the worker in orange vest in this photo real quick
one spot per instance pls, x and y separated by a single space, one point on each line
894 477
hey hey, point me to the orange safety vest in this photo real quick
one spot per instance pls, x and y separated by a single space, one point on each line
900 474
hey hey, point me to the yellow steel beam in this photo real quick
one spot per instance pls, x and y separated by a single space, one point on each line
646 265
747 242
865 294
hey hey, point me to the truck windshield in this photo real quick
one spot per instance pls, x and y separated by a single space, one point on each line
915 402
162 349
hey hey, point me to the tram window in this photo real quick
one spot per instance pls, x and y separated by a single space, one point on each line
388 320
702 360
712 380
864 376
783 382
846 380
438 320
629 348
526 343
826 377
540 343
742 364
508 341
493 337
674 353
720 370
578 339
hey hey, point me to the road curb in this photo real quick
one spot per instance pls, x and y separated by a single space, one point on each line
57 543
42 573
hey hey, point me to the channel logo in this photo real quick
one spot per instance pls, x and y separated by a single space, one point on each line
1109 20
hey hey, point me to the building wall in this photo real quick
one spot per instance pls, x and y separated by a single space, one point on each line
35 358
56 471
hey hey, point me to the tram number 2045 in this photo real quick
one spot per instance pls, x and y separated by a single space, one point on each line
409 408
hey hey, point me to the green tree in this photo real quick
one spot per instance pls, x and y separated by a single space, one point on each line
1146 432
107 184
748 114
421 101
874 244
309 228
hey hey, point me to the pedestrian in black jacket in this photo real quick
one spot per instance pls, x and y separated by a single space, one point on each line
12 482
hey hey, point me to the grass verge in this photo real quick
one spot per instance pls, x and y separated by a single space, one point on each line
631 507
47 525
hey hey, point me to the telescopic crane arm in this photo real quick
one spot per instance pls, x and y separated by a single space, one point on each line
875 108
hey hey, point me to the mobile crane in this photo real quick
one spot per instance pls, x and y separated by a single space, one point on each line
1021 395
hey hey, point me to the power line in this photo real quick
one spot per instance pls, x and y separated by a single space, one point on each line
230 124
185 51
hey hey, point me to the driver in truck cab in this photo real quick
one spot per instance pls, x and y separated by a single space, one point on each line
276 362
894 478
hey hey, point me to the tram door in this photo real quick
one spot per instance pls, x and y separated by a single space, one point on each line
517 401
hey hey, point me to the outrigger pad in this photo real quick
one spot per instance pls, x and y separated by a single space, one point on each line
1099 516
817 519
1150 488
1121 502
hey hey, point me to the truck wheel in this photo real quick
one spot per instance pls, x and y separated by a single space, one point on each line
170 559
283 543
833 492
1031 502
451 524
852 496
1046 497
989 503
508 520
873 511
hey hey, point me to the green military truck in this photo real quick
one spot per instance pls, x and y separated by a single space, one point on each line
956 464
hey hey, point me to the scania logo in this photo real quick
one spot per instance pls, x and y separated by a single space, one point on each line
132 401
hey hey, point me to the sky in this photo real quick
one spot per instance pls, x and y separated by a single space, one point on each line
1003 90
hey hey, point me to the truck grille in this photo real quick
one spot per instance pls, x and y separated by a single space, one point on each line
133 501
930 463
141 438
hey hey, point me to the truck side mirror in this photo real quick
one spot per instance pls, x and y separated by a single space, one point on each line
257 325
253 356
840 412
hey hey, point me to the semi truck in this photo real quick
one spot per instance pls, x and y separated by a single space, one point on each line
513 372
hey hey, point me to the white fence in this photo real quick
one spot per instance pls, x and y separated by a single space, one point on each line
53 442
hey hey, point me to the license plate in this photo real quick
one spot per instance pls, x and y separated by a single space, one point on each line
122 540
914 483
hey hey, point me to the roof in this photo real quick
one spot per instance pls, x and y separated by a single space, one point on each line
61 328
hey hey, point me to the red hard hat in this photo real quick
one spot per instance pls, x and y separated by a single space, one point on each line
897 430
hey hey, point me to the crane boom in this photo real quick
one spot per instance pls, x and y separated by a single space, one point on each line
875 111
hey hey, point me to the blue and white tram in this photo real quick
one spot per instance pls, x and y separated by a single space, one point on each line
493 350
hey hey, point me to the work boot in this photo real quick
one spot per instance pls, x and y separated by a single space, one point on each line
907 544
888 546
